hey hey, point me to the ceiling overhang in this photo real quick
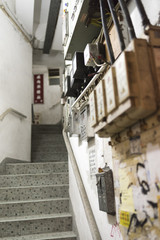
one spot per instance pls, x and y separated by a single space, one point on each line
51 25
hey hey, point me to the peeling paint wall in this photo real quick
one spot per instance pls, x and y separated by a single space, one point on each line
136 157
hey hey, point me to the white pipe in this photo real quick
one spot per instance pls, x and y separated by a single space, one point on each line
88 86
12 17
13 111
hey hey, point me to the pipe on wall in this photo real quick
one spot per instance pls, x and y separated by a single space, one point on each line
13 19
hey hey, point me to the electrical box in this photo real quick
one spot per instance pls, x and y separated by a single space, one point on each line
101 101
94 53
105 189
154 35
74 124
86 131
136 95
93 108
75 84
110 89
78 67
126 76
67 91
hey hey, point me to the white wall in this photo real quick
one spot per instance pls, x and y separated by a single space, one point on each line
15 91
24 13
10 4
52 94
50 111
152 9
105 222
77 205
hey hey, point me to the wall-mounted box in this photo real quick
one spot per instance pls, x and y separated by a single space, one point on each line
86 131
93 108
78 67
101 101
110 89
126 76
154 35
105 189
74 124
94 53
135 86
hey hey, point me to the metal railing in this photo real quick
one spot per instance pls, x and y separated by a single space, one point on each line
12 111
90 84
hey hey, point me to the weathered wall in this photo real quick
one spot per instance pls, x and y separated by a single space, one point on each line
15 91
50 111
136 176
137 179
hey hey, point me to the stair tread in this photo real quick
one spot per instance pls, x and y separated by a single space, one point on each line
33 174
42 186
43 236
33 201
34 217
30 163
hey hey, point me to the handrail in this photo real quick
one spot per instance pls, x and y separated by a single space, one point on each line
12 17
89 213
13 111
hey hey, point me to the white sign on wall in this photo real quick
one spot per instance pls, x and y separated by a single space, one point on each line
92 161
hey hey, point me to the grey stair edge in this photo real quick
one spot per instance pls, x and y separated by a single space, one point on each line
40 163
35 217
40 186
56 235
33 174
34 201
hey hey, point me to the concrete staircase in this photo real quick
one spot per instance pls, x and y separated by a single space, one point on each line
34 199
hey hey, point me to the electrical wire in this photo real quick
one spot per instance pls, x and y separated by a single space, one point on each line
145 19
116 22
128 19
106 33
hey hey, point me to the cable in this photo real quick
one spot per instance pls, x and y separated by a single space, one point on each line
116 22
128 19
106 33
145 20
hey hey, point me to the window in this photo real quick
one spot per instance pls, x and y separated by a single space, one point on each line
54 76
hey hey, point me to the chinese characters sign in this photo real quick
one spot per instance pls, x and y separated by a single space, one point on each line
38 88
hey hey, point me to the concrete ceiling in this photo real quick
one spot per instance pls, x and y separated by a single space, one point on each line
43 29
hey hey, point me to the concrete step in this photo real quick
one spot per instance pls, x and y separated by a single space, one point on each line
33 192
34 207
49 148
33 179
19 226
47 128
45 136
36 168
49 157
47 236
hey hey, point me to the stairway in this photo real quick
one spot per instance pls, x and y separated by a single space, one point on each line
34 199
